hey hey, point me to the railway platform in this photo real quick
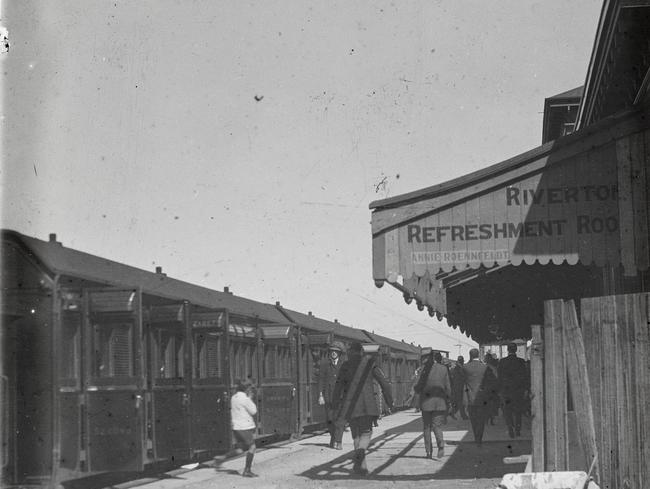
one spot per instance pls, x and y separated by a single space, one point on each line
395 460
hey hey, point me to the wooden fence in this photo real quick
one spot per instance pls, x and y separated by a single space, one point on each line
600 367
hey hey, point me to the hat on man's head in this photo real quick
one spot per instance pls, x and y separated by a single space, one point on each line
336 345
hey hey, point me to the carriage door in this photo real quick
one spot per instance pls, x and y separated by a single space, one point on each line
114 380
318 343
168 430
210 395
277 396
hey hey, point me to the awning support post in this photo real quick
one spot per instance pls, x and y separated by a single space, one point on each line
537 397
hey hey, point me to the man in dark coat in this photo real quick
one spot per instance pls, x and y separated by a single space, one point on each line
356 402
328 370
513 384
479 382
434 389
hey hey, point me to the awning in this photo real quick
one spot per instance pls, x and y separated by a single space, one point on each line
578 200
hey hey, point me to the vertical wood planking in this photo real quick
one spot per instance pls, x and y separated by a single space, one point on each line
609 208
549 412
560 380
645 157
585 164
622 373
638 383
537 402
617 349
472 216
379 257
579 382
554 177
635 316
642 368
555 388
631 380
609 450
640 200
392 255
625 205
591 332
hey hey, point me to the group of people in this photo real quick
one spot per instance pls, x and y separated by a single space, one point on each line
476 390
351 393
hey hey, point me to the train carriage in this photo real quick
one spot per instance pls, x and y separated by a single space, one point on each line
319 333
106 367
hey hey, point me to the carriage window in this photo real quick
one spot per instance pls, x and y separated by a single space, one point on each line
242 357
168 354
208 358
114 352
269 362
285 363
304 363
277 362
70 358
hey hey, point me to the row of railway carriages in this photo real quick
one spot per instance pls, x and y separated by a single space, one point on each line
106 367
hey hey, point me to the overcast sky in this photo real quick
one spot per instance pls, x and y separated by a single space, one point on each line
239 143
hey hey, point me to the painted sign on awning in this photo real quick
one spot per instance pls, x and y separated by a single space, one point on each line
562 206
566 213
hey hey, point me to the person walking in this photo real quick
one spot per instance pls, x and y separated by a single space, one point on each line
355 400
478 382
457 387
434 388
413 398
493 395
327 372
243 411
513 386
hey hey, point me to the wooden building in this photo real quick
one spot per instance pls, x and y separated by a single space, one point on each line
553 245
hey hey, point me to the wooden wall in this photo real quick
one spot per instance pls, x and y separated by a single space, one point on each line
604 359
633 154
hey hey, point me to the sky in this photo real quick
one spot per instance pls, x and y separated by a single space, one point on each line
239 143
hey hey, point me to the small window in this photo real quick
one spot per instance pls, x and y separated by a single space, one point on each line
242 360
70 347
168 354
208 358
114 352
277 362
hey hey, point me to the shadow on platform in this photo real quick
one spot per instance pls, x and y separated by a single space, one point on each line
112 479
466 461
